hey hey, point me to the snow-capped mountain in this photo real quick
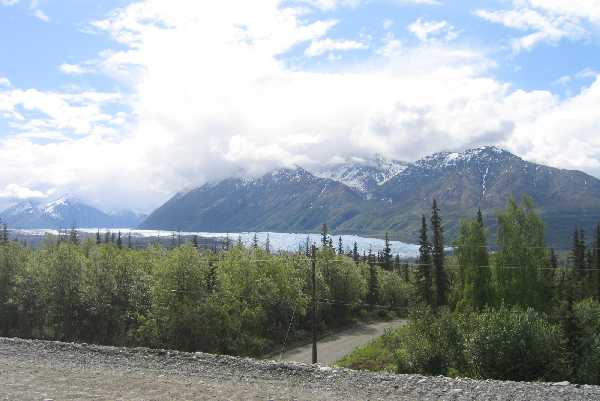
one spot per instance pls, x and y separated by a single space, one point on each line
365 175
64 212
371 197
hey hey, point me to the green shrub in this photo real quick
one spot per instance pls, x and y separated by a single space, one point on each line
587 342
432 344
512 344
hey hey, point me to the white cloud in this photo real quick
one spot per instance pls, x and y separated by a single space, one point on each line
15 191
427 31
331 4
8 2
546 21
72 69
4 81
39 14
215 93
320 47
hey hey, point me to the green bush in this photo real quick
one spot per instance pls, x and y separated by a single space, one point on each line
587 342
512 344
432 344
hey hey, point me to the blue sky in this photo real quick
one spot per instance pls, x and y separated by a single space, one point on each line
125 102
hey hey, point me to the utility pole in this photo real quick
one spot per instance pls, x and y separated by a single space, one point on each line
314 305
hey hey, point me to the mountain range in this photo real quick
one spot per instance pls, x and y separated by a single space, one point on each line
370 197
65 212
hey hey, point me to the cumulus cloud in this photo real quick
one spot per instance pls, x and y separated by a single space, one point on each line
546 21
215 94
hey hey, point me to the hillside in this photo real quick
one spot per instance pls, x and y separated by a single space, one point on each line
370 198
65 212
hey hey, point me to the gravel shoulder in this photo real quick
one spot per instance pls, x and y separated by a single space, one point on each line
37 370
334 347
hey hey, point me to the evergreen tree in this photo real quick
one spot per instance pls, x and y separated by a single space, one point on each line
268 244
227 242
129 243
386 255
173 243
195 241
442 284
373 282
112 238
355 254
98 238
578 251
330 243
340 250
4 233
423 280
119 241
240 244
307 248
255 241
106 237
324 235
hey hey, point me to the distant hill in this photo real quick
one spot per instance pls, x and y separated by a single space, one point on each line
65 212
374 196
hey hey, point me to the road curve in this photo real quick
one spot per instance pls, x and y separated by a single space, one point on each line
336 346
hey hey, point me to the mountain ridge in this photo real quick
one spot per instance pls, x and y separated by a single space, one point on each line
66 211
301 200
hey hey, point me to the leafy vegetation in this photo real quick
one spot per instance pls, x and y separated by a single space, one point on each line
239 301
513 315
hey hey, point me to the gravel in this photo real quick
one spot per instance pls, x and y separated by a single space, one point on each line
43 370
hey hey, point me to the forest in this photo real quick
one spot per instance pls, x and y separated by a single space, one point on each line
511 310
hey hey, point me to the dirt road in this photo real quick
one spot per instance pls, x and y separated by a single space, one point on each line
336 346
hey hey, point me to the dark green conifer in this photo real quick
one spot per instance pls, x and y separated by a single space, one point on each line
423 279
340 250
442 284
386 255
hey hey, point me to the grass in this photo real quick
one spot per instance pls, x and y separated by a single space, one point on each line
378 355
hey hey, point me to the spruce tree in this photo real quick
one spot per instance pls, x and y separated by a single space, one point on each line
211 278
442 284
106 237
340 250
119 241
129 243
386 255
355 254
423 280
324 235
373 282
98 238
195 241
255 241
227 242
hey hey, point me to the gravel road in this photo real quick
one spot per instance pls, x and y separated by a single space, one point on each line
38 370
332 348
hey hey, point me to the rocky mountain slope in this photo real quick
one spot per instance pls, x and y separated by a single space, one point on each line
65 212
370 198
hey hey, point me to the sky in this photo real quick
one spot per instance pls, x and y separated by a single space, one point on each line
124 103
